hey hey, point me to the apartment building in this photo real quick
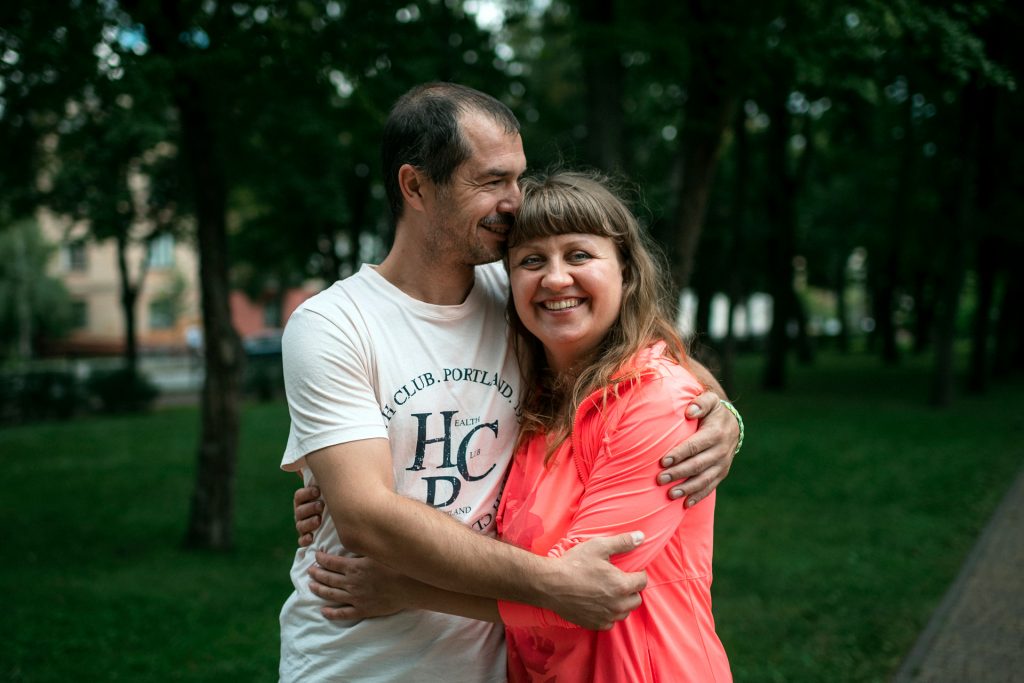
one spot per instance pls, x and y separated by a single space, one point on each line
168 314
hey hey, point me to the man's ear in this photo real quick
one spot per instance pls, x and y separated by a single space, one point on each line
411 182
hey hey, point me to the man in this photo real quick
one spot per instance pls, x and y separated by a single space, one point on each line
403 397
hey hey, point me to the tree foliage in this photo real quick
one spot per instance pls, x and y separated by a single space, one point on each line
775 144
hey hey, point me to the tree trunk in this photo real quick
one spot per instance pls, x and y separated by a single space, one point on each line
924 312
989 246
980 371
958 200
211 517
129 297
708 114
890 261
842 314
781 217
211 513
23 302
943 373
1009 351
603 76
728 375
883 302
734 286
804 343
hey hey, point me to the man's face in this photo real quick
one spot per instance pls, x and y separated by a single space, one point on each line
471 216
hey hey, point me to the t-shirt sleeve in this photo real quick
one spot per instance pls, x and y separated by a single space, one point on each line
620 493
329 384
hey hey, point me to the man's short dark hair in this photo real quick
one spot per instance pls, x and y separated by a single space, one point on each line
423 131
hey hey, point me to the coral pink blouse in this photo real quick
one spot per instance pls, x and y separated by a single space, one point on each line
600 483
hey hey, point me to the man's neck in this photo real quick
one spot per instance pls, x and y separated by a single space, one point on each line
439 283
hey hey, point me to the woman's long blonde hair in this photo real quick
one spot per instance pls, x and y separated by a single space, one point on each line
564 202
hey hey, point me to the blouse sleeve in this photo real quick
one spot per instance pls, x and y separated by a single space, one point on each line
620 492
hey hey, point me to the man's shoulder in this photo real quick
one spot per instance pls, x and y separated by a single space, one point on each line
331 311
341 295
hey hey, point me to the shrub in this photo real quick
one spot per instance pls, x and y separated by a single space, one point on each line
39 395
122 391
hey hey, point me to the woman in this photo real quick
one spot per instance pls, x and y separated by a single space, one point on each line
609 386
610 383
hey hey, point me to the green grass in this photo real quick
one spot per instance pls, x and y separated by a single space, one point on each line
96 586
845 518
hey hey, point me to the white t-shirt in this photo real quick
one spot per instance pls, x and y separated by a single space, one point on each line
364 360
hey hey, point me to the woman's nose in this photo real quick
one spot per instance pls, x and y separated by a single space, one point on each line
556 276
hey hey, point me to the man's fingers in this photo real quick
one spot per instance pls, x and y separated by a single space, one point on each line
342 612
335 596
703 405
306 494
615 545
698 487
308 510
327 577
698 443
305 540
308 525
332 563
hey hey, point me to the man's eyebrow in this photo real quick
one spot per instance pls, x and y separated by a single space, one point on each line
498 172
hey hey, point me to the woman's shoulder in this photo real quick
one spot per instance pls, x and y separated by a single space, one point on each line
652 380
655 363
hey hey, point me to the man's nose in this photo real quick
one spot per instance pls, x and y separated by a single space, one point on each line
512 199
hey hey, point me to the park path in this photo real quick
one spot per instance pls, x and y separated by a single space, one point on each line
976 635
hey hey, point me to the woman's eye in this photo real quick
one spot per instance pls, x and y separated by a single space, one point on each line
528 261
579 256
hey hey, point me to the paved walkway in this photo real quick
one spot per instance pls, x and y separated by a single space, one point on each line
977 633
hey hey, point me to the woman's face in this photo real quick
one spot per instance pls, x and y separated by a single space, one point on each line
567 290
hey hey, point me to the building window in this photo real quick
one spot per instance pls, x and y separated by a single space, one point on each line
79 314
161 314
73 256
161 251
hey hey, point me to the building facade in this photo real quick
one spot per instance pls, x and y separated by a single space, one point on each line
168 318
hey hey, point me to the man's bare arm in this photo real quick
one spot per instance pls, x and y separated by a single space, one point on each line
429 546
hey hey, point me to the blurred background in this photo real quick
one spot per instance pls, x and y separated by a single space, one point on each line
836 187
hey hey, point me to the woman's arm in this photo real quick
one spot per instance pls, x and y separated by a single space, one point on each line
618 495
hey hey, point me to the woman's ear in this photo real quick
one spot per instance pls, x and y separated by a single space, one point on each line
411 185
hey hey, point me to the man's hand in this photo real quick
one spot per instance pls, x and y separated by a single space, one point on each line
590 591
705 458
358 587
309 510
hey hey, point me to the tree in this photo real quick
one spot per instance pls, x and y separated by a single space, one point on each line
32 303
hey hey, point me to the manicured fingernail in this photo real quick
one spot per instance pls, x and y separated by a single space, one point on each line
693 411
638 537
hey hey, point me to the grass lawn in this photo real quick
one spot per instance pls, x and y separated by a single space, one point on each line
845 518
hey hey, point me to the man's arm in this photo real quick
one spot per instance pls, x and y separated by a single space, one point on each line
429 546
705 458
